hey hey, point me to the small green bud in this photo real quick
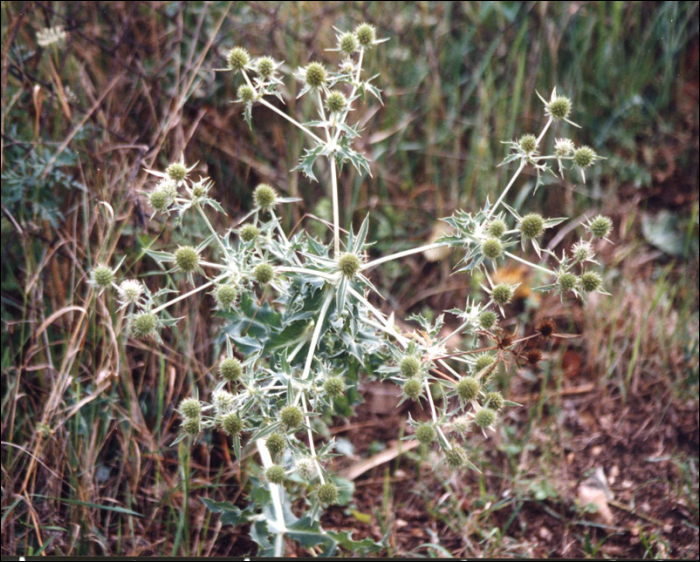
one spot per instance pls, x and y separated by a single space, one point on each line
600 226
176 171
275 474
492 248
263 273
496 228
590 281
190 408
349 264
187 258
494 400
315 75
365 35
567 281
230 369
291 417
159 200
456 457
232 424
532 226
348 43
410 366
528 144
265 197
334 387
502 294
275 443
483 361
143 325
336 102
102 277
328 493
249 232
246 93
468 388
487 319
238 58
226 295
559 107
191 426
265 67
584 157
412 388
485 418
425 433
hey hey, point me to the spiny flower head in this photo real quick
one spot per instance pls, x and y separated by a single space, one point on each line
328 493
249 232
305 467
468 388
600 226
226 295
246 93
546 327
51 36
101 277
567 281
584 157
487 319
494 400
482 361
591 281
425 433
231 423
496 228
582 251
176 171
230 369
263 273
531 226
190 408
502 294
223 400
334 387
238 58
456 457
130 292
349 264
485 418
528 144
187 259
336 102
410 366
191 426
533 356
413 388
347 43
558 108
143 325
275 474
492 248
265 197
265 67
563 147
159 200
275 443
291 417
461 424
315 75
366 35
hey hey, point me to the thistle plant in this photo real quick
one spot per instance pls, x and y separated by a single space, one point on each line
298 330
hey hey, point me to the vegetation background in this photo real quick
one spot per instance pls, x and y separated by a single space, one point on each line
87 415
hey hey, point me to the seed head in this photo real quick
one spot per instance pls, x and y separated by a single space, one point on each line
494 400
563 147
159 200
306 468
226 295
190 408
590 281
532 226
130 291
410 366
425 433
365 35
143 325
496 228
582 251
249 232
263 273
275 443
102 277
291 417
533 356
191 426
265 67
492 248
483 361
328 493
348 43
567 281
468 388
528 144
336 102
412 388
176 171
584 157
230 369
334 387
485 418
275 474
456 457
187 258
232 424
315 75
349 265
502 294
600 226
238 58
487 319
265 197
546 328
223 401
246 93
559 107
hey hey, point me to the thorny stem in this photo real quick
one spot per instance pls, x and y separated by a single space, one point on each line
211 229
534 265
505 191
312 447
182 297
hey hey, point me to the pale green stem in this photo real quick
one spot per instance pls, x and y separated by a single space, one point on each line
433 413
403 254
316 335
214 265
336 207
211 229
378 314
534 265
292 120
278 225
182 297
456 331
505 191
352 94
544 130
276 496
312 447
328 276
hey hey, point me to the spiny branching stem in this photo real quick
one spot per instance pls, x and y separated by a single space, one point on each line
182 297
